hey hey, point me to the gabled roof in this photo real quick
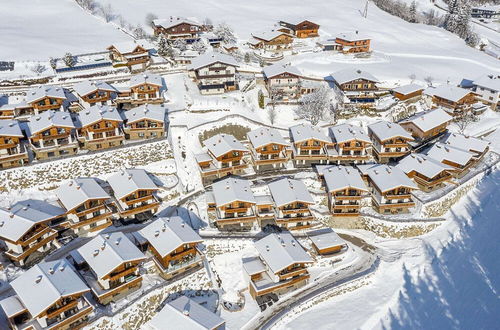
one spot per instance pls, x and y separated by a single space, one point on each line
343 177
278 68
221 144
408 89
427 120
488 81
154 112
385 130
130 180
232 189
448 92
387 177
125 47
441 152
167 234
468 143
48 119
263 136
174 21
146 78
286 191
97 113
347 75
327 240
40 92
90 86
78 191
352 36
297 21
105 252
184 313
45 283
210 58
10 127
23 215
422 164
268 35
347 132
280 251
303 132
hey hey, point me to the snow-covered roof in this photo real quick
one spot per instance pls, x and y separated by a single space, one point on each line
343 177
90 86
78 191
221 144
125 47
253 265
427 120
303 132
10 127
167 234
263 136
97 113
347 132
211 58
154 112
468 143
106 252
408 89
387 177
23 215
278 68
37 93
12 306
146 78
268 35
385 130
422 164
280 251
232 189
174 21
352 36
488 81
286 191
50 118
202 157
44 284
441 152
448 92
297 21
264 200
327 240
130 180
347 75
184 313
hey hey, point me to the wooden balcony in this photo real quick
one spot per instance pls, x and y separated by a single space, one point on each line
297 210
345 214
277 286
346 206
121 288
294 219
403 196
140 199
87 309
184 253
428 183
21 256
140 209
62 309
123 273
396 205
36 235
347 197
292 273
91 210
79 224
236 210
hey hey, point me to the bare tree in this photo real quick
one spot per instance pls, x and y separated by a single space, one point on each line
180 44
315 106
107 12
225 32
412 77
429 80
138 32
463 121
89 5
199 47
272 114
150 17
53 63
122 22
38 68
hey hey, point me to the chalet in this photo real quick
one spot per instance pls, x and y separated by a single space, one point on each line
477 146
44 98
224 156
271 41
310 144
50 295
173 244
185 313
214 73
407 92
390 188
264 208
143 88
390 140
329 45
282 82
12 150
461 160
7 111
327 243
428 173
177 28
135 194
145 122
353 43
345 189
280 267
101 128
427 125
130 54
485 12
454 100
268 147
357 85
25 228
52 134
302 29
487 89
87 206
351 143
292 201
97 92
234 204
111 266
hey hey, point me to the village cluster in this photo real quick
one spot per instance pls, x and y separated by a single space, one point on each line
377 166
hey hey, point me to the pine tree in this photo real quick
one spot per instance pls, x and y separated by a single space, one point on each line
413 12
162 46
261 99
69 60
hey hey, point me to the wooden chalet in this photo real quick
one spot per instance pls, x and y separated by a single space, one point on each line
214 73
145 88
357 85
7 111
130 54
459 159
487 88
25 229
264 209
109 263
327 242
280 267
44 98
283 82
271 41
101 128
353 43
135 194
407 92
310 145
90 93
268 148
390 141
52 134
428 173
427 125
145 122
177 28
292 201
352 144
477 146
302 29
12 150
50 295
87 206
173 244
454 100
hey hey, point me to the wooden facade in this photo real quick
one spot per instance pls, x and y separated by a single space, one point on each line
271 154
47 103
345 202
90 217
304 29
144 129
278 43
430 184
98 97
215 78
118 283
353 45
103 134
53 142
12 152
184 258
172 30
311 150
136 58
403 97
284 87
392 148
419 134
394 201
141 94
235 215
142 201
353 151
458 107
288 279
294 216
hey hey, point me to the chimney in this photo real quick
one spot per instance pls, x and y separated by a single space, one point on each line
96 252
267 248
283 243
1 224
103 246
157 233
106 236
375 171
51 270
11 214
61 269
117 242
185 312
38 279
